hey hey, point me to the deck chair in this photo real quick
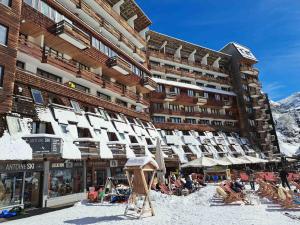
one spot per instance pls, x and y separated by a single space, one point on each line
231 195
244 177
165 190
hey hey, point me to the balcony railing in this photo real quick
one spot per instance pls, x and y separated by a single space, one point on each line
119 64
139 150
170 57
117 149
87 147
149 83
249 70
193 75
72 34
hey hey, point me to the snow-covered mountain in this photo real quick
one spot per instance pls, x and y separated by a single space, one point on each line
286 114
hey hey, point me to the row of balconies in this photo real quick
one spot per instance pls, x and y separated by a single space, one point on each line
72 67
170 57
189 74
110 28
192 114
249 70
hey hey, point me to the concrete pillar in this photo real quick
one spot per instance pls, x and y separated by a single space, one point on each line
45 183
204 59
178 52
216 63
131 20
144 31
192 56
84 176
117 6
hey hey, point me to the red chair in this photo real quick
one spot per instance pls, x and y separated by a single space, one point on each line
92 195
244 177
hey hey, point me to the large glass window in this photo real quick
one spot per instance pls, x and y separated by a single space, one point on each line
48 75
6 2
65 181
3 34
1 75
37 96
10 188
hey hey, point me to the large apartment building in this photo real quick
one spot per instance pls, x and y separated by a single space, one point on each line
84 85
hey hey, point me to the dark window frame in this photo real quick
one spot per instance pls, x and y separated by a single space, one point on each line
6 38
1 75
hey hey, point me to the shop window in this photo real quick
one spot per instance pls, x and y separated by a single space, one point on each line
3 34
6 2
37 96
65 181
20 64
1 75
112 136
75 106
11 191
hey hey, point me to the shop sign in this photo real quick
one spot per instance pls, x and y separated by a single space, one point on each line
15 167
113 163
57 165
67 165
42 145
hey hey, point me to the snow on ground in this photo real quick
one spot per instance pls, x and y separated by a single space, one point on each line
173 210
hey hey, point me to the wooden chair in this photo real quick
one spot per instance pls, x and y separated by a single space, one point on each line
165 190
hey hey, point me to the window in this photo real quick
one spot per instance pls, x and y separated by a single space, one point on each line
175 90
217 97
37 96
171 79
159 119
160 88
3 34
79 87
14 125
185 81
157 76
191 121
6 2
174 107
112 136
103 96
190 93
1 75
175 120
48 75
133 139
20 64
120 102
103 48
75 106
205 95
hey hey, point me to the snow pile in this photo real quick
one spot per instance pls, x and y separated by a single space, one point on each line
169 210
286 116
14 148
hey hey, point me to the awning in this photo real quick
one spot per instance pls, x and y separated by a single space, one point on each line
234 161
190 140
201 162
253 159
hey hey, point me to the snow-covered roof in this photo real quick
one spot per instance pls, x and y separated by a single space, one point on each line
191 86
244 51
141 161
14 148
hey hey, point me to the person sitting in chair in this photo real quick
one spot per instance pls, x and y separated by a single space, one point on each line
237 186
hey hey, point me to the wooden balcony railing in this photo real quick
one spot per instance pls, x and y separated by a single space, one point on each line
193 75
72 34
169 57
149 83
249 70
119 64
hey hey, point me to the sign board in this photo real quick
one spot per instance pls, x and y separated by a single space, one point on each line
113 163
21 167
66 165
43 145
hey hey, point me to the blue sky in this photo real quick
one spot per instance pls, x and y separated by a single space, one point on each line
271 28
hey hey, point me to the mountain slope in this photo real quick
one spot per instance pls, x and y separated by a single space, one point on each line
286 114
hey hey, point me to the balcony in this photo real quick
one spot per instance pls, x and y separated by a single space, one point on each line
254 93
185 99
171 96
44 144
169 57
119 64
88 147
214 103
227 104
139 150
249 70
118 150
72 34
201 100
149 83
254 83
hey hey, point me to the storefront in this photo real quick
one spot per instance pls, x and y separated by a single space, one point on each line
98 171
21 184
66 182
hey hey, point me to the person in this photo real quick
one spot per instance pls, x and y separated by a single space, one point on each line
283 176
251 176
188 183
237 186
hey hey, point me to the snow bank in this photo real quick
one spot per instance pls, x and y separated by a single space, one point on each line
14 148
